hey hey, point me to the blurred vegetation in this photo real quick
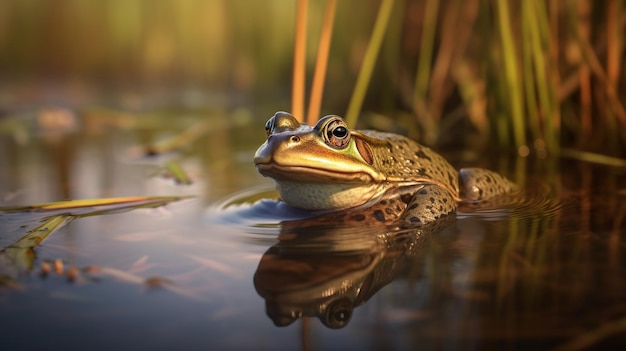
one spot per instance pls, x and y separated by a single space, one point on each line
532 75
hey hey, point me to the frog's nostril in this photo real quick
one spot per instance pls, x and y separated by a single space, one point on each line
295 139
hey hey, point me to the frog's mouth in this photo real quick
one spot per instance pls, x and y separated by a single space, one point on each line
310 174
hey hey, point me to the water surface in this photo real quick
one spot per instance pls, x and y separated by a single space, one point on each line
232 268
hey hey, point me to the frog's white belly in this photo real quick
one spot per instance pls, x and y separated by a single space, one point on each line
327 196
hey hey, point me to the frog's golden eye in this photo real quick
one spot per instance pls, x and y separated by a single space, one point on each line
335 132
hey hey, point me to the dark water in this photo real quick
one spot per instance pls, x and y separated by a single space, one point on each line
220 271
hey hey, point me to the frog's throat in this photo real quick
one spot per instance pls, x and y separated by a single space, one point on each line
328 196
337 196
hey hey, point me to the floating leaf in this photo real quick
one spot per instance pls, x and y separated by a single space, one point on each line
112 203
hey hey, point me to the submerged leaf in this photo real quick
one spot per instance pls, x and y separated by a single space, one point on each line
21 252
39 234
113 203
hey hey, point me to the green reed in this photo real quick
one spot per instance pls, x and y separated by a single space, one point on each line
529 107
299 61
422 78
323 50
369 61
534 75
511 82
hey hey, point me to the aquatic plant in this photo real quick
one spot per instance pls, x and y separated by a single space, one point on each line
524 71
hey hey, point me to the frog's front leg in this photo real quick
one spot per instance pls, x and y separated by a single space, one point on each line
429 204
477 184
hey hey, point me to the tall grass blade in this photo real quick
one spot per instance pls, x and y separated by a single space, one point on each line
369 61
422 77
582 29
614 57
539 39
319 77
528 23
299 61
553 123
511 76
457 29
592 61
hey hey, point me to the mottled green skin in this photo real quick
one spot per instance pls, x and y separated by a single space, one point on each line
402 159
479 184
366 176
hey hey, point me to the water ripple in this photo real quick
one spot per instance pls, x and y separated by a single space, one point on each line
536 200
258 212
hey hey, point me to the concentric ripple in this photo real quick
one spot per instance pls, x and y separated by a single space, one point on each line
537 199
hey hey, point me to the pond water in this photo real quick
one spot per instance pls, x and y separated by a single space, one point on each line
230 268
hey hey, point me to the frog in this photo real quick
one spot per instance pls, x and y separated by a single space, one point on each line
367 175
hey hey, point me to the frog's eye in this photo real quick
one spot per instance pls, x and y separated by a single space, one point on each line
338 314
269 125
335 132
281 122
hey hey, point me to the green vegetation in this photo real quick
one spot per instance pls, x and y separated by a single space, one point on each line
534 76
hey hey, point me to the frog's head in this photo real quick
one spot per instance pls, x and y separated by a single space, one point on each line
326 166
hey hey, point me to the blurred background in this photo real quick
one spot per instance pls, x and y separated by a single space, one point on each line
187 52
124 98
532 76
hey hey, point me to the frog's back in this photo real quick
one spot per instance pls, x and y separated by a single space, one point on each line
403 159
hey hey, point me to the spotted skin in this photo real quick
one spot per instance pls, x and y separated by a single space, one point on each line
388 210
429 204
400 158
423 206
477 184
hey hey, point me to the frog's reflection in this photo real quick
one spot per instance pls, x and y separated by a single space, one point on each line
324 271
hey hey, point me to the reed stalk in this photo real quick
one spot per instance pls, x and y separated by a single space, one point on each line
582 27
323 49
299 61
511 75
539 39
422 77
552 124
614 58
528 23
593 63
369 61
